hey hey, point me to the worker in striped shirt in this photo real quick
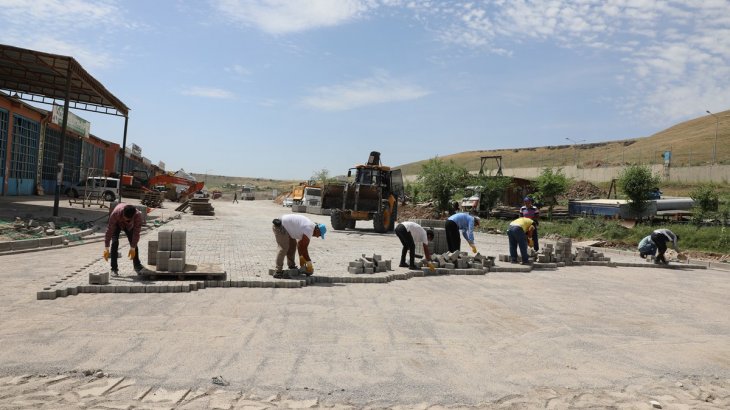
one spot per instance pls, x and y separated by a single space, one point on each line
532 212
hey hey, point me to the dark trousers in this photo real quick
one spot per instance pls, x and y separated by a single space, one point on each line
115 248
453 236
408 244
661 244
517 237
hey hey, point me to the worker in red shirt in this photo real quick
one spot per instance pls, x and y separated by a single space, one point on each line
125 218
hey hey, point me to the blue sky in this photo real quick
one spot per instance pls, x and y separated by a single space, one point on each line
282 89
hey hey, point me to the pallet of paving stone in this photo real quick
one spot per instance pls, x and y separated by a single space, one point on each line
211 271
201 206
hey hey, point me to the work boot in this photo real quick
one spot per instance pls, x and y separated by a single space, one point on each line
403 265
115 272
138 268
281 275
412 267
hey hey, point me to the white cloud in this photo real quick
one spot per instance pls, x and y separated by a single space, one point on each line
283 16
207 92
378 89
238 70
61 27
678 52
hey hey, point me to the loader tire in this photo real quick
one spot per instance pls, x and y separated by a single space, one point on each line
338 221
379 223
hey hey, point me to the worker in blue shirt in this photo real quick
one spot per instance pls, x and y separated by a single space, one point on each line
461 222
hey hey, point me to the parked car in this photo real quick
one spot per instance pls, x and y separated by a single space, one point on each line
106 188
288 201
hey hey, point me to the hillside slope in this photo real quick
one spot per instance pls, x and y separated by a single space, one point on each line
691 143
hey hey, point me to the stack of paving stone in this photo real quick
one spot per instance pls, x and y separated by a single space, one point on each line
455 263
438 244
369 265
564 251
506 258
201 206
167 253
588 254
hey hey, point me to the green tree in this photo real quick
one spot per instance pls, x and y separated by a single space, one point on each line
550 185
706 197
439 180
322 176
413 189
493 188
636 182
706 201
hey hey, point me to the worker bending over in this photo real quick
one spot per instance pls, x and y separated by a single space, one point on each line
461 222
125 218
520 233
532 212
409 233
293 233
660 237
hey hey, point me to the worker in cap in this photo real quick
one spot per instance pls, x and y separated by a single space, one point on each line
293 233
520 234
532 212
464 223
660 237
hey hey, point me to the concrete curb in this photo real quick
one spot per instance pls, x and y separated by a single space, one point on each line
56 290
84 237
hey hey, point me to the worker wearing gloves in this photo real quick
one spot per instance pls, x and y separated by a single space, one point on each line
647 247
520 233
293 233
660 237
125 218
409 233
465 223
532 212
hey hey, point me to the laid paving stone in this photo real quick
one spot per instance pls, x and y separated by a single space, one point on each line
160 395
99 387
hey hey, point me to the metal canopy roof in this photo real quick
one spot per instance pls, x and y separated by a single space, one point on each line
42 77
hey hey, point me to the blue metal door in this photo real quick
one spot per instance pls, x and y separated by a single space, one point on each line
3 143
23 156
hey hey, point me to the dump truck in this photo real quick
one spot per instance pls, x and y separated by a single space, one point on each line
371 196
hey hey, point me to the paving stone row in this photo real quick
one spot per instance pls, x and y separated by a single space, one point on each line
245 249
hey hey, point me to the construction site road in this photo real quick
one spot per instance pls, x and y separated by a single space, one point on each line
578 337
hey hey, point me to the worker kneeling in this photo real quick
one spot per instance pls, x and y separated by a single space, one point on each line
409 233
647 247
293 233
520 233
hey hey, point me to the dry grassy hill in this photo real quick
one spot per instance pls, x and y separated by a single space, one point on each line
691 143
263 184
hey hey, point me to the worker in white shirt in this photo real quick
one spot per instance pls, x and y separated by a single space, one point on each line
293 233
409 233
